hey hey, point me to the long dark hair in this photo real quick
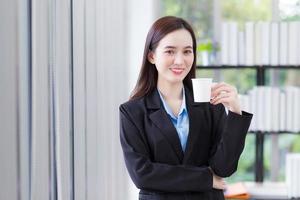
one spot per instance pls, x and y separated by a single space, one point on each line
147 80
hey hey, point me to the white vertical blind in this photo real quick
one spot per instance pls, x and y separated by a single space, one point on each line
23 99
40 103
9 173
63 74
103 149
100 85
62 96
80 190
91 99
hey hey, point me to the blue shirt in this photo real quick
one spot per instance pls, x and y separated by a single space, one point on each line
181 122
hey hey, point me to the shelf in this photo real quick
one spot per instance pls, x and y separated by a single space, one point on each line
248 67
259 135
267 190
273 132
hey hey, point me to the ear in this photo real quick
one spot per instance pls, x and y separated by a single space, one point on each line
150 57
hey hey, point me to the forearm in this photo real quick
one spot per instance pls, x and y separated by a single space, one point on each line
224 161
169 178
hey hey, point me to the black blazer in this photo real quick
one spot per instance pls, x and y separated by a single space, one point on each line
154 157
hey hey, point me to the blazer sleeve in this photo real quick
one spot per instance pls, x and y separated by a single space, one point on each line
149 175
229 138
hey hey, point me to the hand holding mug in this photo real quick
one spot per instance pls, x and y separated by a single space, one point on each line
227 95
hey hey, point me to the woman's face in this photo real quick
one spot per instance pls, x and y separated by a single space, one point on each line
173 56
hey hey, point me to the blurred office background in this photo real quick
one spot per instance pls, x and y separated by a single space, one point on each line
65 66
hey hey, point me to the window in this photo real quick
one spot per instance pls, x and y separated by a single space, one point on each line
204 15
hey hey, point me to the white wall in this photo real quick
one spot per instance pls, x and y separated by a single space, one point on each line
141 15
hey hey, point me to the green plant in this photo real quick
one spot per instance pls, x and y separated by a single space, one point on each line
208 47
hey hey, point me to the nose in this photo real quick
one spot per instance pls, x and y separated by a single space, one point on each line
179 59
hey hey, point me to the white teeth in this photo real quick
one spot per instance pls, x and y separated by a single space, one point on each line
177 70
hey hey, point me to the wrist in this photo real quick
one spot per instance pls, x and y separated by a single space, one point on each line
237 111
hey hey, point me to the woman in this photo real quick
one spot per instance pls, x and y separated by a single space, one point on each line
174 148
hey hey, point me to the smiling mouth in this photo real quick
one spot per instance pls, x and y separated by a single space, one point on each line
177 70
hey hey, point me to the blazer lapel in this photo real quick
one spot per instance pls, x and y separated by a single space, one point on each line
196 122
161 119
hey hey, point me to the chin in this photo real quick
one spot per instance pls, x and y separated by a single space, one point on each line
177 80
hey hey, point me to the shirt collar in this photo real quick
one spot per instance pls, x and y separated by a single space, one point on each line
168 109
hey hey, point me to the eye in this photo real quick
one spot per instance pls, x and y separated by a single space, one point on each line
170 52
187 52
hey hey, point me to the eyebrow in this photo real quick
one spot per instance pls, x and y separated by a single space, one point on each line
172 47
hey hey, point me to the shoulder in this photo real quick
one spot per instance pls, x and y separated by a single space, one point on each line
133 108
142 105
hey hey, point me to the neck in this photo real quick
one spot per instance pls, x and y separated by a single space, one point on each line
170 91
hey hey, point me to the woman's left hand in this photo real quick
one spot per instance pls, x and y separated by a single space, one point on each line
227 95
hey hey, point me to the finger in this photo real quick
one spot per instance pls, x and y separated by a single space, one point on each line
216 93
218 85
220 96
215 85
222 186
224 182
223 88
224 100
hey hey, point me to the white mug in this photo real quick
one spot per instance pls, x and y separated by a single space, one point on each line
202 89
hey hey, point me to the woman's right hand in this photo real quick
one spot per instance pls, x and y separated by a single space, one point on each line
218 182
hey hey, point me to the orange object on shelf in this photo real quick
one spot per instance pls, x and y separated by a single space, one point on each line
236 191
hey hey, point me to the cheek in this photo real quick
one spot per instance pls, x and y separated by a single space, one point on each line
164 61
161 66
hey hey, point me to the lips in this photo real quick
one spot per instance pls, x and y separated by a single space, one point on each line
177 70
